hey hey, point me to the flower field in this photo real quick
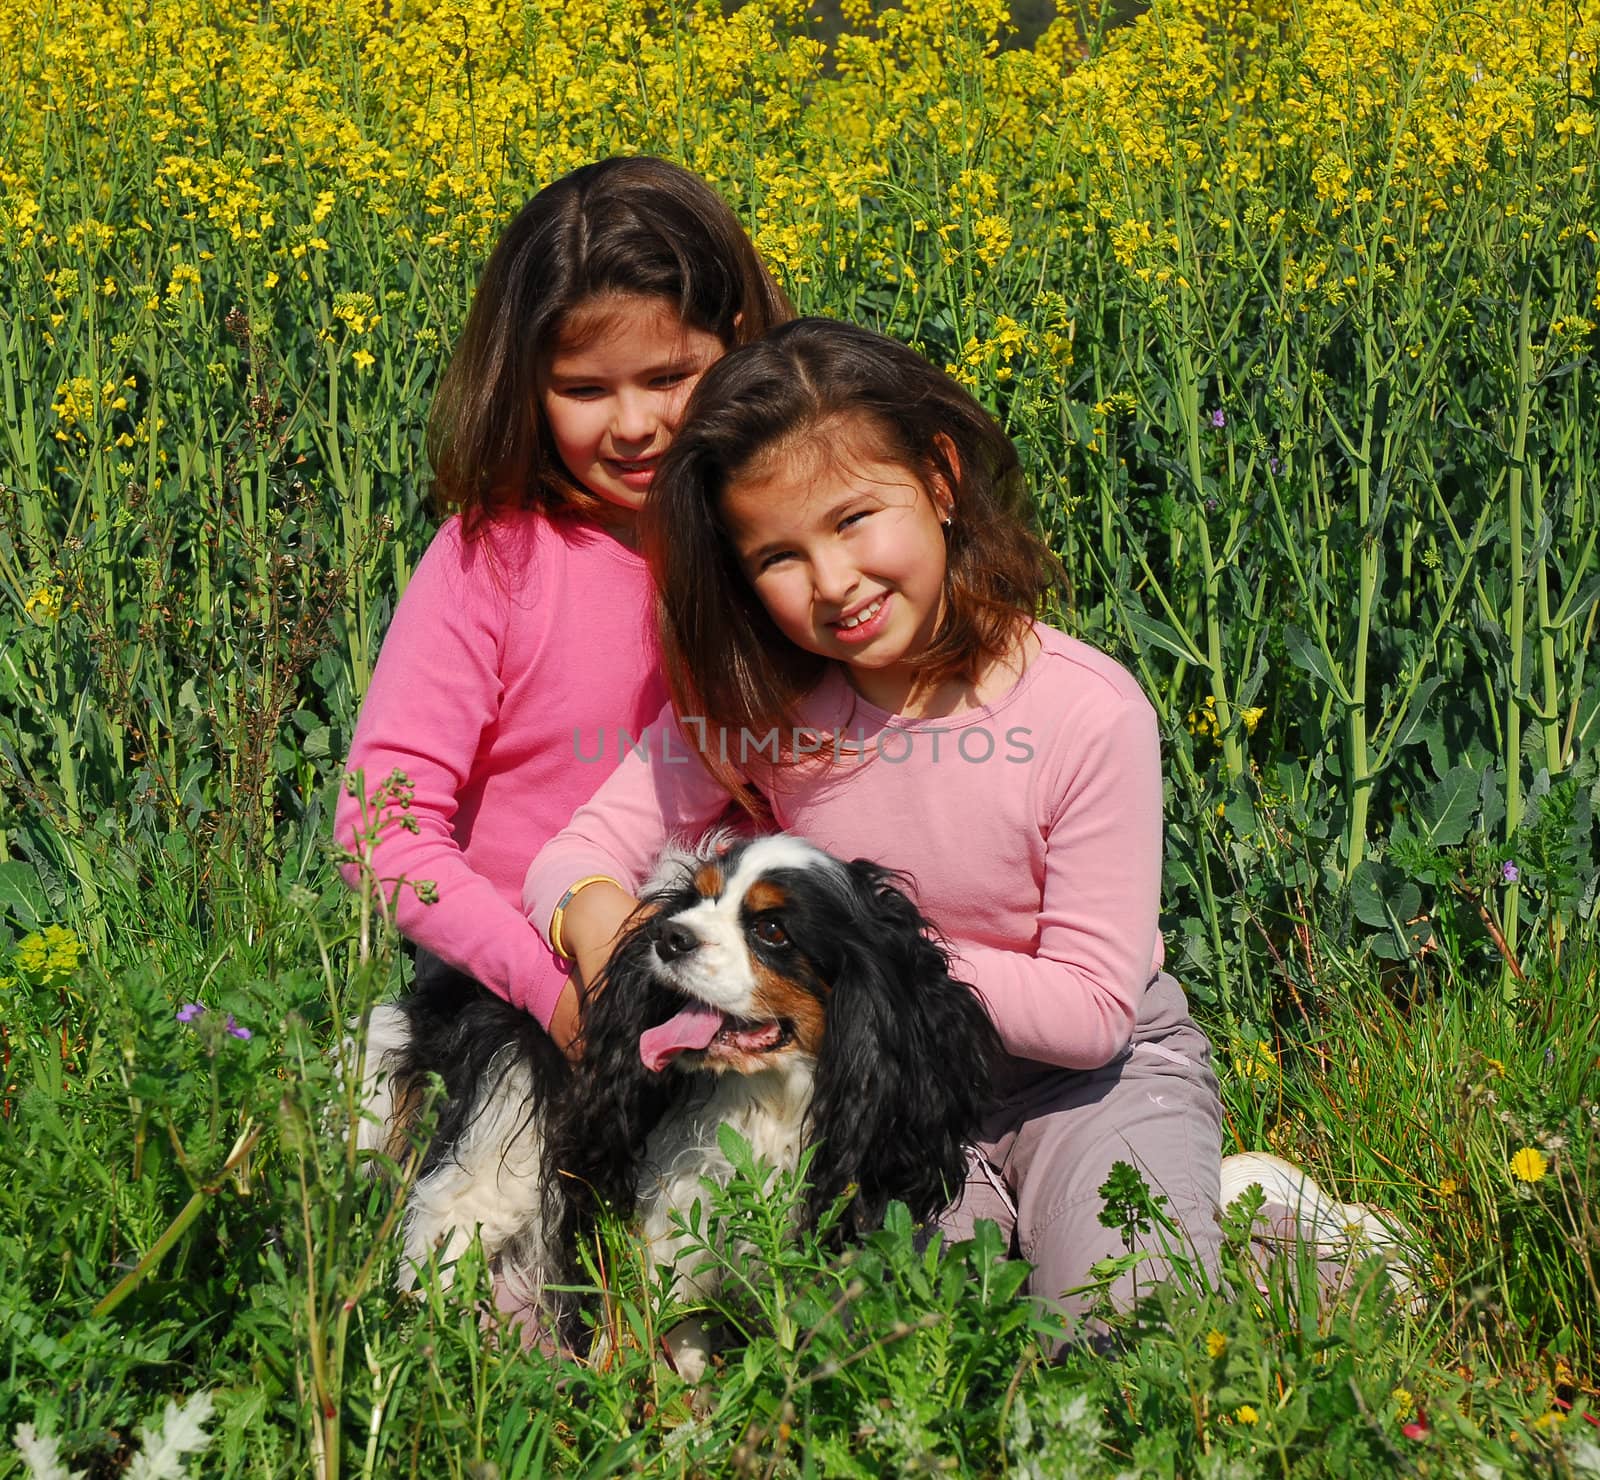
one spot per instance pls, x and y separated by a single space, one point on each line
1291 310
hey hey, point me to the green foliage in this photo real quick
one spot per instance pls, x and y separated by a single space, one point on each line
903 1356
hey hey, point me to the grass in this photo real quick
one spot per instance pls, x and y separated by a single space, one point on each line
130 1132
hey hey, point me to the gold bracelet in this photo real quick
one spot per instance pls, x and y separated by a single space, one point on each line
557 944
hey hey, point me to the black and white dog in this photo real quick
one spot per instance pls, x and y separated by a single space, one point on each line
772 988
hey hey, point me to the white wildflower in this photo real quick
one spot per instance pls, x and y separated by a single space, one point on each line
182 1432
41 1453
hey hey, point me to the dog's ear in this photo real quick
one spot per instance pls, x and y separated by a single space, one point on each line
613 1103
904 1074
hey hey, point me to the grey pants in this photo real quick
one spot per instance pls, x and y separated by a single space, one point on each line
1055 1133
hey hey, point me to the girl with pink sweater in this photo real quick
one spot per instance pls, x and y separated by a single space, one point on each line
526 630
848 590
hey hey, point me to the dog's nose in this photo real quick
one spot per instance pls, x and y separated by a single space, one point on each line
674 940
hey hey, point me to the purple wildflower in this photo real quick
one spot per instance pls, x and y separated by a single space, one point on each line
235 1029
1274 465
190 1011
1509 872
1219 418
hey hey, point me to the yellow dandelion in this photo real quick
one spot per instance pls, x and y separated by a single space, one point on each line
1252 1058
1244 1413
1529 1165
1216 1344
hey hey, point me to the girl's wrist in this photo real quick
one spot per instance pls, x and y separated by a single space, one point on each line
556 933
592 921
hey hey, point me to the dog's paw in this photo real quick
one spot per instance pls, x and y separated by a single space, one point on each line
1295 1207
689 1350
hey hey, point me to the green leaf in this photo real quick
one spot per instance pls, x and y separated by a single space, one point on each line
1241 815
1149 631
23 895
1368 886
1446 812
1308 656
1416 715
1587 730
1580 603
737 1150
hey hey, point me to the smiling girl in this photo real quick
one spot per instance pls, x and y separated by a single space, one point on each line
849 583
526 626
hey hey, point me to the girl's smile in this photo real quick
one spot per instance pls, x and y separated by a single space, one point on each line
864 625
847 552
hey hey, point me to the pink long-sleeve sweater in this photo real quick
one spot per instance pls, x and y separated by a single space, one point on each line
1031 830
510 664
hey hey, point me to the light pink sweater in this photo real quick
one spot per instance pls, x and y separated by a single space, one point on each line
1031 830
511 662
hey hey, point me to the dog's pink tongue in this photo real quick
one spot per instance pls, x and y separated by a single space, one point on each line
691 1030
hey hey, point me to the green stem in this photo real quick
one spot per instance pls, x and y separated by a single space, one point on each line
179 1225
1549 707
1512 751
1360 758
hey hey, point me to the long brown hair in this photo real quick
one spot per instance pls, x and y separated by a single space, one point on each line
625 225
726 661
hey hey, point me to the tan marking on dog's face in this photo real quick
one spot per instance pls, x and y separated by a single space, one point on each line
708 880
775 996
764 895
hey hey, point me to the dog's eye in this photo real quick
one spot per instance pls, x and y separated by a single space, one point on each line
770 933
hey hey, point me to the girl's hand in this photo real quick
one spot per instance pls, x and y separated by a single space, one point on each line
566 1022
589 929
589 932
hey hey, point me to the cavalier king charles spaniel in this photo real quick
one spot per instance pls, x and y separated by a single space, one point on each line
799 999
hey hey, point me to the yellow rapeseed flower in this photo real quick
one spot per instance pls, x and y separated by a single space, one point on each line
48 957
991 238
44 605
1529 1165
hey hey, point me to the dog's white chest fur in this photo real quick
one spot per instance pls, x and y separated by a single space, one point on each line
767 1110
